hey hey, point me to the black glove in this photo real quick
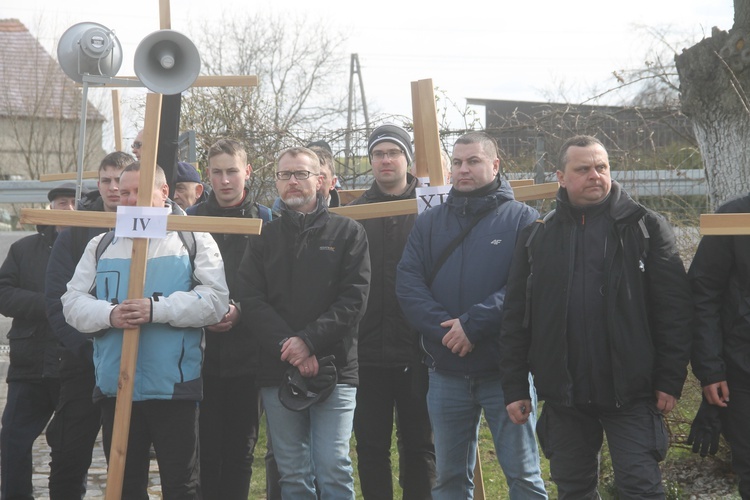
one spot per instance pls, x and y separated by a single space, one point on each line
326 375
705 430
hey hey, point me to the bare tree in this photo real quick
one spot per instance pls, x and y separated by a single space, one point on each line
714 79
301 90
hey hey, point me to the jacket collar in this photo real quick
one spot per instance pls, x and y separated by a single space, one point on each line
496 194
245 208
620 205
304 222
376 195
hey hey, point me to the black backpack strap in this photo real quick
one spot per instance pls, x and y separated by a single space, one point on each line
188 240
103 244
646 240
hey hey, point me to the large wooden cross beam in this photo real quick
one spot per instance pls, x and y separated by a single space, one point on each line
733 224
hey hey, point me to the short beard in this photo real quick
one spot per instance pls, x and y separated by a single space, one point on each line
296 202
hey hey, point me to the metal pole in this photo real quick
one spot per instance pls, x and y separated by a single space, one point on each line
81 141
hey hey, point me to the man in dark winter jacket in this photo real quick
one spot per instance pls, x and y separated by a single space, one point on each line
598 308
303 288
72 432
391 373
720 280
230 408
451 287
33 380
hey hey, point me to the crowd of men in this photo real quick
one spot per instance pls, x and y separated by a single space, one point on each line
334 328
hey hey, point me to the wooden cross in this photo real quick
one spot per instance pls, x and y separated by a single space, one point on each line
121 428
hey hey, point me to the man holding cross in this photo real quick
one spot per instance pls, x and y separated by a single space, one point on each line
392 377
184 293
303 287
598 308
451 287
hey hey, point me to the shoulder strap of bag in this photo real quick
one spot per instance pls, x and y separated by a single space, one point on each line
454 244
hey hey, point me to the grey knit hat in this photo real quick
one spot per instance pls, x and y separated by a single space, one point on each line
391 133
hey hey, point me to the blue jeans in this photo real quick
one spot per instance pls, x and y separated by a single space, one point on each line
455 404
313 444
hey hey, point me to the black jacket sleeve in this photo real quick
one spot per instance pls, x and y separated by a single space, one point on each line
671 308
18 299
515 335
61 267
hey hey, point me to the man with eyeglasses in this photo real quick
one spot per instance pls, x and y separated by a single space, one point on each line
391 374
328 178
451 287
303 287
137 145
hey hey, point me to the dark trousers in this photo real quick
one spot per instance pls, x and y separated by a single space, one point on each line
738 422
28 408
571 438
172 427
71 435
229 418
380 392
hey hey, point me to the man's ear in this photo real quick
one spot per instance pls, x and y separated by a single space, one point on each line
561 178
198 189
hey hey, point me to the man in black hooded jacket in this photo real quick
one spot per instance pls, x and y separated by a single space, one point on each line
598 308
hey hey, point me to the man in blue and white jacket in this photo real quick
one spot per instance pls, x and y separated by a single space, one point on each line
181 298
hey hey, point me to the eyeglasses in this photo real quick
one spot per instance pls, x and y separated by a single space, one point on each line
136 145
393 154
300 175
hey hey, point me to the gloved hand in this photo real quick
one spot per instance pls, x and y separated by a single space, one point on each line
326 375
705 429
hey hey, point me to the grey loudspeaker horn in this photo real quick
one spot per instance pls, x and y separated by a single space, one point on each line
89 49
167 62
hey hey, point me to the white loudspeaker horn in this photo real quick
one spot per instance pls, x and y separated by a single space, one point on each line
89 49
167 62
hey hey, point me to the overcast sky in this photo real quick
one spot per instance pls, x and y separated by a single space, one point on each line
521 49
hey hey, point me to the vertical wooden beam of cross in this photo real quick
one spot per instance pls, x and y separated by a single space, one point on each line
123 406
116 119
426 132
